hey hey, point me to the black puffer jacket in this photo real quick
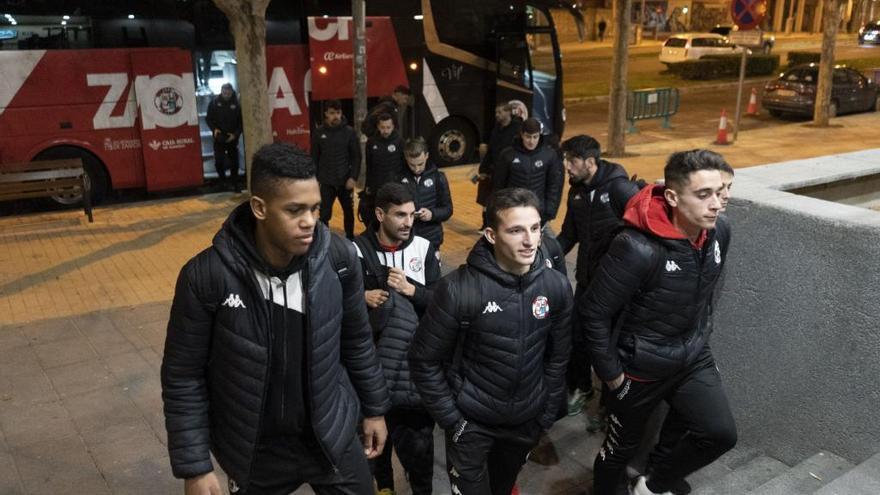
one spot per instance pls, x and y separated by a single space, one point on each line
337 154
594 215
658 287
538 170
225 116
513 355
397 321
217 353
384 161
431 191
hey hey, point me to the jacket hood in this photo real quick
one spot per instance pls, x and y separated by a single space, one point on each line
649 212
236 244
607 172
482 258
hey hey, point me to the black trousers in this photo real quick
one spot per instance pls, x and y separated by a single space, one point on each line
283 464
698 406
226 158
577 375
486 460
329 194
411 434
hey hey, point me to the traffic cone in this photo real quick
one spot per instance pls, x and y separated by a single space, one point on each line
722 129
753 104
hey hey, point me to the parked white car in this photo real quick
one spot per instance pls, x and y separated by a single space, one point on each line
692 46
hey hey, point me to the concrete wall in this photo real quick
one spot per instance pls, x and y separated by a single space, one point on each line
798 323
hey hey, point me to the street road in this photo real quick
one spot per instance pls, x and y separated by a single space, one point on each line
700 107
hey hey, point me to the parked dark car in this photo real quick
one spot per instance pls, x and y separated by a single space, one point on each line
724 30
869 34
795 91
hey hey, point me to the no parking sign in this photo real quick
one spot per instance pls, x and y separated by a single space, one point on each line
747 14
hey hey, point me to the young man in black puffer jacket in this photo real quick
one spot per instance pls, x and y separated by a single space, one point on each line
654 289
596 202
400 270
495 384
534 165
269 361
429 188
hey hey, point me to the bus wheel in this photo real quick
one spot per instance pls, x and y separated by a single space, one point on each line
95 173
454 142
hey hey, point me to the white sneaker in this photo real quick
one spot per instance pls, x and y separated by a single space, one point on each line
640 487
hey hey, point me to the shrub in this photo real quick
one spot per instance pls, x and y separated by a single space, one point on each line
696 69
797 58
719 66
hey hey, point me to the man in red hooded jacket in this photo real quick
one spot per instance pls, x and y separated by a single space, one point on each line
653 289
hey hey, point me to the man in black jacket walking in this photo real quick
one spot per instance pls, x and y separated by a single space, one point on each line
384 162
654 289
400 265
489 355
596 201
504 133
337 155
224 119
532 164
429 188
269 361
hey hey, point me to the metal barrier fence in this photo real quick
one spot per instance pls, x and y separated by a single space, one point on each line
654 103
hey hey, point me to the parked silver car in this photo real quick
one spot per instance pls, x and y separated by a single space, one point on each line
794 91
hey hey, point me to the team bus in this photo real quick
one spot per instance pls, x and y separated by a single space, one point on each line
128 93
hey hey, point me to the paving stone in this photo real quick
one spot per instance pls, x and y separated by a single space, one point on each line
807 476
140 314
18 361
11 337
35 423
124 445
105 339
56 466
50 330
752 474
80 378
130 368
64 352
24 389
864 479
10 484
107 422
146 476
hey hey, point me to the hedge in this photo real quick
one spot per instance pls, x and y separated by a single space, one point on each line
717 66
797 58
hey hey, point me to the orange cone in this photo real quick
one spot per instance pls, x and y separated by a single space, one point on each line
722 129
753 104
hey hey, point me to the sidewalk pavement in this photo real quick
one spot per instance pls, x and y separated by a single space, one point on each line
84 308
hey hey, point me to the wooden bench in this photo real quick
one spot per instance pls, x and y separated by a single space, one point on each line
45 179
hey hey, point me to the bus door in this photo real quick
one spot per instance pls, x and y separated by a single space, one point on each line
169 125
546 64
513 74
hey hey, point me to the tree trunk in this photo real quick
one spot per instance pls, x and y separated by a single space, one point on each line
617 103
826 64
358 11
247 22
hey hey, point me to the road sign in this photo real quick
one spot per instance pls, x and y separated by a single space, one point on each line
752 38
747 14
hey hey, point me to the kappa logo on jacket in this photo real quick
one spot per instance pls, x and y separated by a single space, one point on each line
404 181
515 160
233 301
492 307
672 266
323 136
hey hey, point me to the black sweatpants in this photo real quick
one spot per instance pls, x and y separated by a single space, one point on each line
411 434
226 158
577 375
282 464
486 460
329 194
698 405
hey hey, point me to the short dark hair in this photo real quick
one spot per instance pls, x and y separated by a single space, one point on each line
332 105
505 199
402 89
382 117
507 107
531 126
725 167
275 162
582 146
415 146
682 164
392 194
